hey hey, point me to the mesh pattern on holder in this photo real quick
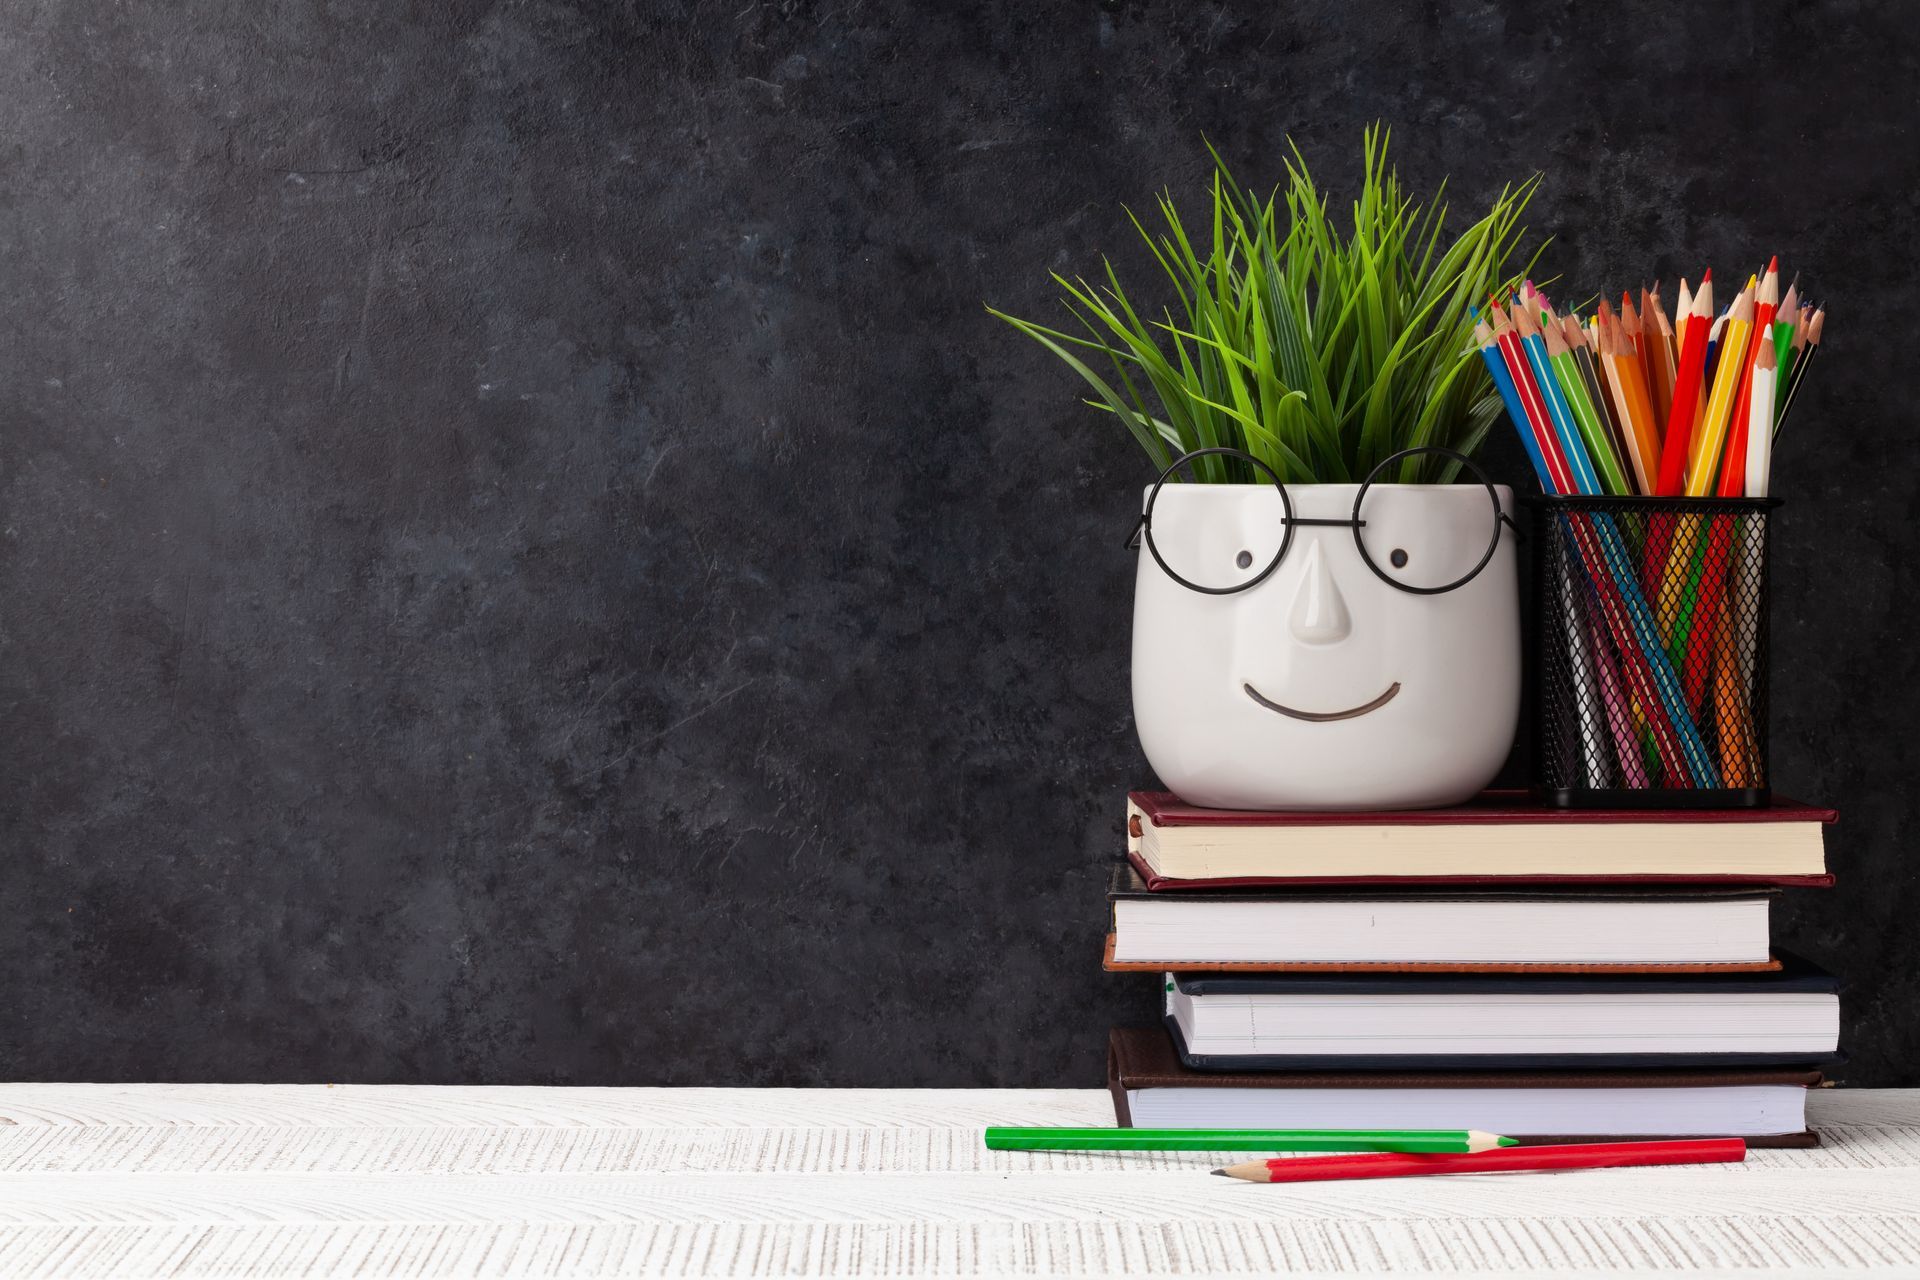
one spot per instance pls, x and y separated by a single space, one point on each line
1653 657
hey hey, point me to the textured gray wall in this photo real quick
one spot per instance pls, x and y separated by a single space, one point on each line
523 559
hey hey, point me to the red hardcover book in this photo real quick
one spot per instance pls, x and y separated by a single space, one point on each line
1499 837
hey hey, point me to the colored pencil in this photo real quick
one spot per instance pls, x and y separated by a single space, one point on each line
1605 410
1630 393
1585 640
1801 362
1573 388
1597 1155
1460 1141
1637 637
1698 635
1735 679
1513 379
1733 471
1536 422
1658 656
1661 392
1510 396
1760 422
1640 332
1676 450
1726 378
1783 325
1601 555
1733 708
1686 391
1558 411
1616 710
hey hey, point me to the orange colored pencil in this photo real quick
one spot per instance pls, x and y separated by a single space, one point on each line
1640 331
1733 716
1636 408
1630 329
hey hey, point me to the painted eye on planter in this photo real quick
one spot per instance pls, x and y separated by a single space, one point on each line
1217 540
1426 539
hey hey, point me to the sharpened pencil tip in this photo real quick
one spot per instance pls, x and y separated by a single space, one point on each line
1509 1142
1708 276
1220 1173
1773 263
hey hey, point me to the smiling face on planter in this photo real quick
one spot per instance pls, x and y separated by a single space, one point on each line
1323 686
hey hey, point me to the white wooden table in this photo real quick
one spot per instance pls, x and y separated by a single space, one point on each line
223 1180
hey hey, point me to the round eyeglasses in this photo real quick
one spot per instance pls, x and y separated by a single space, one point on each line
1419 559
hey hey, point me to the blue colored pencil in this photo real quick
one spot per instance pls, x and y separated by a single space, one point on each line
1558 411
1510 395
1619 569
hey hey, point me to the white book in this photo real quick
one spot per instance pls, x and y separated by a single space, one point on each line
1274 1020
1183 929
1728 1111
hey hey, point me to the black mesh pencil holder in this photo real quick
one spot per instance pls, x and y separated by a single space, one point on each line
1651 682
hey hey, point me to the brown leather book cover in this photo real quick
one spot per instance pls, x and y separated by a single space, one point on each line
1144 1058
1111 965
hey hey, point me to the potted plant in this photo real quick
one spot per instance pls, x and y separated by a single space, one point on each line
1325 611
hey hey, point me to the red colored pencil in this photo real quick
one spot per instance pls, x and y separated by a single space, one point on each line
1555 457
1695 323
1733 468
1595 1155
1686 391
1636 655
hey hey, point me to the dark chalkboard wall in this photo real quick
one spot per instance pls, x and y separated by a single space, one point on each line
522 557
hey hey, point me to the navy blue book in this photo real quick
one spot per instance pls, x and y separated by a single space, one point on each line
1237 1021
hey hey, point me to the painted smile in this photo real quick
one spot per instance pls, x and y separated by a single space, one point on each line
1320 717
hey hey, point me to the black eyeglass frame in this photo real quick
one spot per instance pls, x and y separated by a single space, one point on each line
1143 528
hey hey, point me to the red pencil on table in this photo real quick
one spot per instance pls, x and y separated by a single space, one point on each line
1597 1155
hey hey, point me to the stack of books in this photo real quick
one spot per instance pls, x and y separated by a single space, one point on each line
1504 966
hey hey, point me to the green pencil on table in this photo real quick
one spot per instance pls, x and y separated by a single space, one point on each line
1415 1140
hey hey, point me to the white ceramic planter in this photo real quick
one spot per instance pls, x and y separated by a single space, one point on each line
1323 687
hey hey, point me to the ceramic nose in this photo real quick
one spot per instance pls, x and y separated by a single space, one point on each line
1319 614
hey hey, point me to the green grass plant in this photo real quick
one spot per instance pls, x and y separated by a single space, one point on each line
1318 353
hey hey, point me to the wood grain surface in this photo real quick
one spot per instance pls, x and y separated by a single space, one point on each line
225 1180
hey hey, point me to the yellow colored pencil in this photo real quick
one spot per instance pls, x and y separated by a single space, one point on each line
1715 332
1729 371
